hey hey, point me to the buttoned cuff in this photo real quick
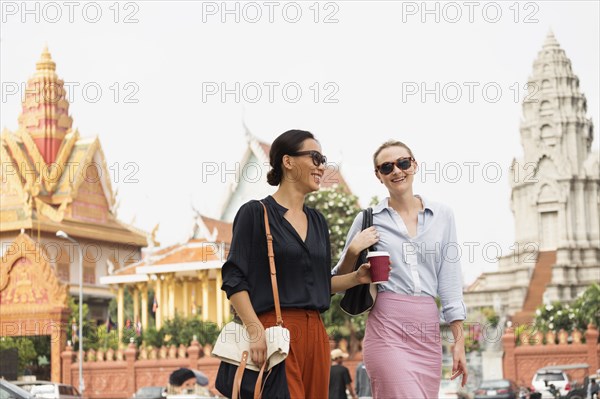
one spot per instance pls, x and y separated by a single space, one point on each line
235 285
454 311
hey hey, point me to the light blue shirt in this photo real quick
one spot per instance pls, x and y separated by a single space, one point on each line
427 264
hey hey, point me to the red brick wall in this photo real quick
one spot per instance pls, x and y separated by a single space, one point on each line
525 354
118 374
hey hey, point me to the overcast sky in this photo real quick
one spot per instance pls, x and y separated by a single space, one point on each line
148 79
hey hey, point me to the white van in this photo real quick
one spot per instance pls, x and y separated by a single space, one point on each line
557 376
49 390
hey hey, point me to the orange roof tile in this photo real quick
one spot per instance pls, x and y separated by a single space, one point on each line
197 253
265 147
127 270
224 229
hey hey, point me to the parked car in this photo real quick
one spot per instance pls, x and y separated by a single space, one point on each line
151 393
497 389
468 391
449 389
11 391
49 390
208 395
554 375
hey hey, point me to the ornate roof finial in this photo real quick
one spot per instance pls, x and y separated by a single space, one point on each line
46 63
550 40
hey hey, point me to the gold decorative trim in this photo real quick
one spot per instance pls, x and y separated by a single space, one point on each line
56 215
19 157
63 155
79 175
24 247
92 149
13 178
33 151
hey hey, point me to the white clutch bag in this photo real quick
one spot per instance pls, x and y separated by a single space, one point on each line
234 340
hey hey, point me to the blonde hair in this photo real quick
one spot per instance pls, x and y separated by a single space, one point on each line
388 144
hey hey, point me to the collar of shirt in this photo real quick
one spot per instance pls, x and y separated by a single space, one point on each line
281 210
384 204
269 200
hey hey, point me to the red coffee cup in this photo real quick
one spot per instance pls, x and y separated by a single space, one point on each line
380 266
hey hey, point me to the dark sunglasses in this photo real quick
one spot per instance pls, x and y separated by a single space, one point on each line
388 167
316 156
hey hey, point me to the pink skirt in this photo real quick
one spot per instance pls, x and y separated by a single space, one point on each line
402 350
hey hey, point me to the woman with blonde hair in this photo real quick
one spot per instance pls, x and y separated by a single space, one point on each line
402 347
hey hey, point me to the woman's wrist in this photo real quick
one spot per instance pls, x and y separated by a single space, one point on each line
355 279
353 251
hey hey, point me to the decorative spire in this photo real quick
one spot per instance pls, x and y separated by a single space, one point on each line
555 111
45 63
45 109
551 41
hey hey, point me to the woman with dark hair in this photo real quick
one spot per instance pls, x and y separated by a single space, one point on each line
402 348
303 263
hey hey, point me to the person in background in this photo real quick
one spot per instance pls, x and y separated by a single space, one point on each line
339 379
362 381
592 389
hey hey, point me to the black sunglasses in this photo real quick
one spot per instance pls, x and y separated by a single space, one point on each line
316 156
388 167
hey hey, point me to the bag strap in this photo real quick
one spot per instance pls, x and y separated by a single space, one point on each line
260 384
367 222
369 217
272 268
239 373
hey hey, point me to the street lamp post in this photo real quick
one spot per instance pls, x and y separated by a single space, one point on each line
64 235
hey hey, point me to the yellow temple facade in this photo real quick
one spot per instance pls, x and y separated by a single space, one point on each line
185 278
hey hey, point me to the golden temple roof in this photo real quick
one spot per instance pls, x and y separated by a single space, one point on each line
53 175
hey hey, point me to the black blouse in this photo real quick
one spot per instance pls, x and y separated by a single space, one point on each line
303 267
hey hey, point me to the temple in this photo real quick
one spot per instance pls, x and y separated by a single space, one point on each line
554 198
53 179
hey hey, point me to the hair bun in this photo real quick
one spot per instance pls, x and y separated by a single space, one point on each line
274 177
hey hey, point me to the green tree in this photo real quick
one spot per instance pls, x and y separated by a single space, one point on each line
89 333
153 337
339 208
587 307
179 330
558 315
25 348
107 339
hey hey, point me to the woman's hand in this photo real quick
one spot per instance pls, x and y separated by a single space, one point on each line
363 274
258 344
459 363
349 280
363 240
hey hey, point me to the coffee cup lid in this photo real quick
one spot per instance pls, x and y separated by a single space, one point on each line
377 253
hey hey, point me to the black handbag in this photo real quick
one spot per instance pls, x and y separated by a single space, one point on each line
275 385
361 298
